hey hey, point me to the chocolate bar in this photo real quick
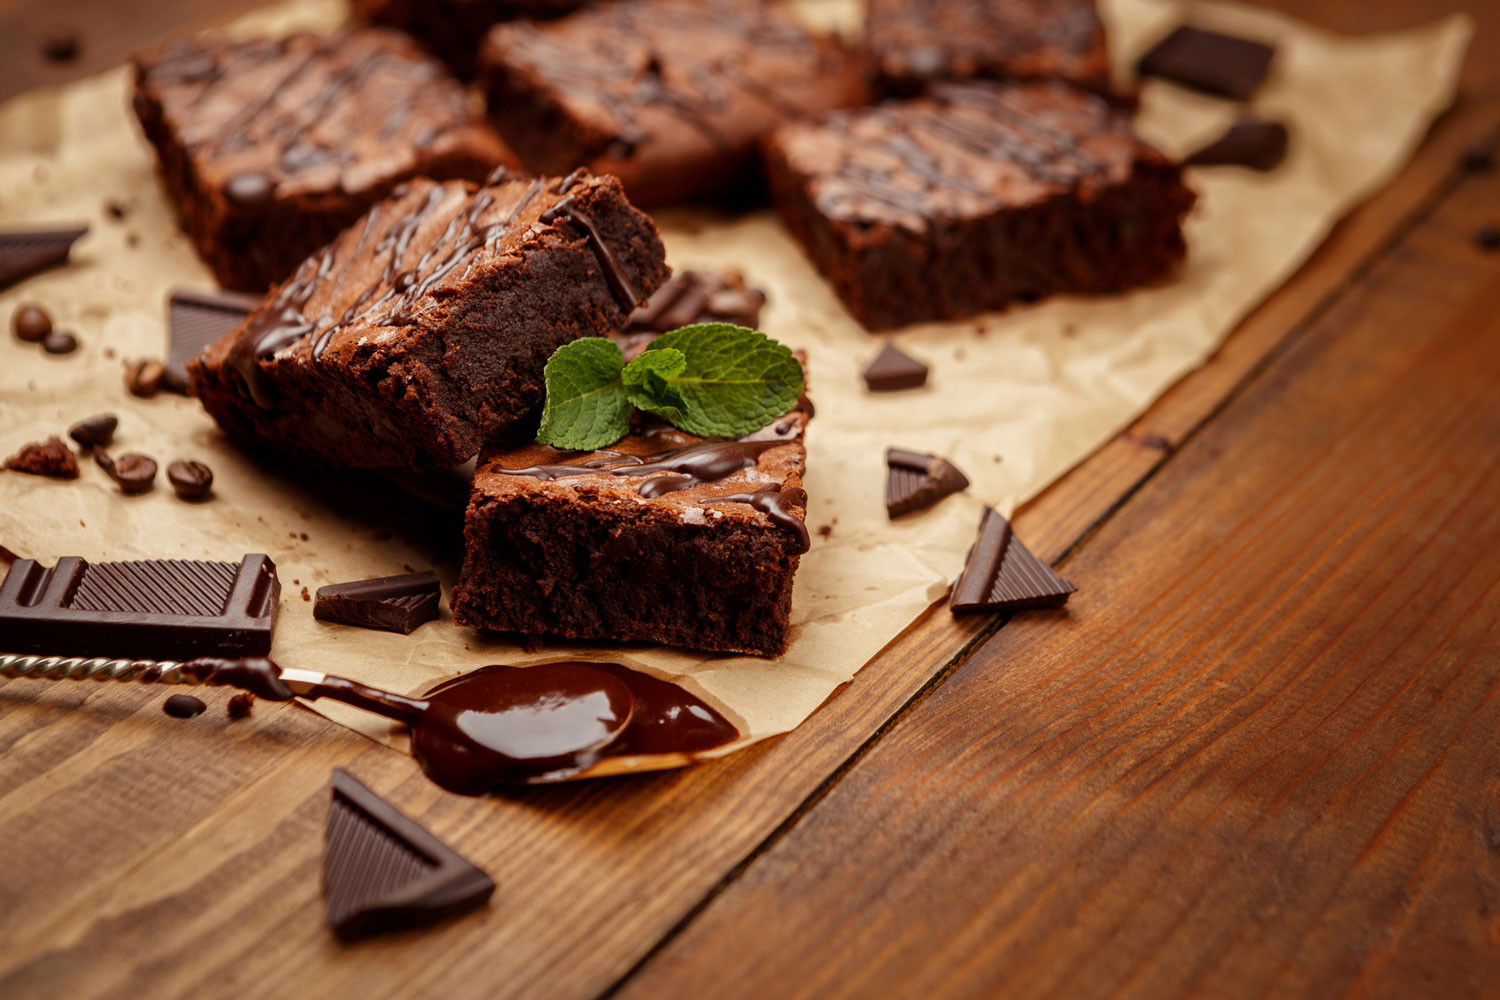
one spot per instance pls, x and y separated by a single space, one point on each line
24 253
914 480
1001 574
393 603
382 871
159 609
197 319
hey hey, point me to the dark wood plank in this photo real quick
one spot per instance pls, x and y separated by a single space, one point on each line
1258 756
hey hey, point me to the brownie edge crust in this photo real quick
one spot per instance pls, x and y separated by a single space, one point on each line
423 329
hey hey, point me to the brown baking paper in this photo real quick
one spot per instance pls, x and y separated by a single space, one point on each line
1014 399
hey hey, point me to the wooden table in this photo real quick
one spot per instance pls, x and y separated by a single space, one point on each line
1259 755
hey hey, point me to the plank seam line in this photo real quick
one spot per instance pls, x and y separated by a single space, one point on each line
1456 177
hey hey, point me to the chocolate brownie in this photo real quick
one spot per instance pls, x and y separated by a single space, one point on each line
423 328
911 43
271 147
976 196
453 29
671 96
662 537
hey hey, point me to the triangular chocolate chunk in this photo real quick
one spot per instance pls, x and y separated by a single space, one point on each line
24 253
893 369
381 871
914 480
197 319
1001 574
393 603
1252 143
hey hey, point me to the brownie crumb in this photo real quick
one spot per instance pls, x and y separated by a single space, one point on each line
532 644
1479 158
115 209
1487 238
48 458
240 705
61 45
826 530
305 595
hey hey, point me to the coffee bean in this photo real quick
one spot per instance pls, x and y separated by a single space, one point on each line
59 342
95 432
31 323
191 480
131 472
143 378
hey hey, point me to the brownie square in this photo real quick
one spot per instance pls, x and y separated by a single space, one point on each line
423 329
671 96
270 148
911 43
453 29
620 544
976 196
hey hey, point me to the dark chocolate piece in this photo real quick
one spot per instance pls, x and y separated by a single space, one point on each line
977 196
698 297
165 609
453 29
59 342
384 872
190 480
49 458
1001 574
1209 61
1251 143
25 252
893 369
911 43
183 706
1487 238
31 324
392 603
197 319
95 432
914 481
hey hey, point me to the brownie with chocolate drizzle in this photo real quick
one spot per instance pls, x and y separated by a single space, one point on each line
271 147
909 44
976 196
453 29
662 537
671 96
423 329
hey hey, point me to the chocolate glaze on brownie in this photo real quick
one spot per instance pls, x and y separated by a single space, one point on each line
976 196
662 537
270 147
423 329
668 95
911 43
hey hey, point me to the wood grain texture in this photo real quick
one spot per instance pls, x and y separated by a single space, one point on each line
163 858
1258 757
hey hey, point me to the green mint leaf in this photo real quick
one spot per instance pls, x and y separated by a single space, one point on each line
735 380
586 405
647 386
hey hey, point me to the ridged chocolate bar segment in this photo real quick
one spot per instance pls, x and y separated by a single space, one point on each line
382 871
167 609
1001 574
23 254
197 319
894 369
915 480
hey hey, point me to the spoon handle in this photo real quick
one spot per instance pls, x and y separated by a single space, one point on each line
95 668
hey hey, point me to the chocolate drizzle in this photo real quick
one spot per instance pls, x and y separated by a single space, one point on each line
773 502
675 469
568 210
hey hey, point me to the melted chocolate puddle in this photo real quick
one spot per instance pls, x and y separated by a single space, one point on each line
502 725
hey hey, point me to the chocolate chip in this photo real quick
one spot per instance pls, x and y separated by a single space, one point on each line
95 432
133 473
191 480
1479 158
31 323
59 342
1487 238
143 378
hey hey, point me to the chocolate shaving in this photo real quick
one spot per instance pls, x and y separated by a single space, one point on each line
384 872
1001 574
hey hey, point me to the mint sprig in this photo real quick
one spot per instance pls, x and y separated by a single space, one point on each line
709 379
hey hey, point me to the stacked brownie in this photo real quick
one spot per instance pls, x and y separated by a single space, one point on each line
271 147
452 29
909 44
422 330
670 96
976 196
662 537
